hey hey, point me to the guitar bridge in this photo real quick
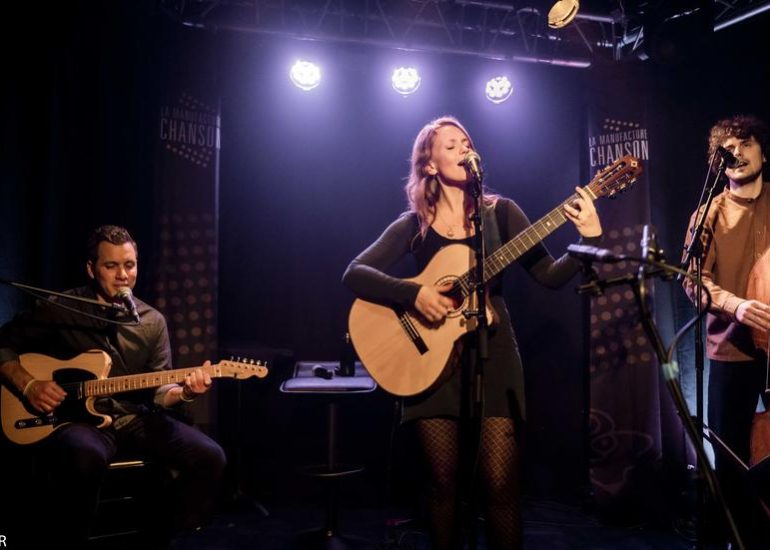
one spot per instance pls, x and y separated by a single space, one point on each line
411 331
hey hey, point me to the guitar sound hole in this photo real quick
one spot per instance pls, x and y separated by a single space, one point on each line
456 294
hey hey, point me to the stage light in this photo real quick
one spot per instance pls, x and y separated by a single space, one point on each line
305 75
562 13
405 80
499 89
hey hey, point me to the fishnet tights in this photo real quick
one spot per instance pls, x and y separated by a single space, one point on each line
498 475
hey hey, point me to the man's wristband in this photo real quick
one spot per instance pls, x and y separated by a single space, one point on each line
183 395
27 387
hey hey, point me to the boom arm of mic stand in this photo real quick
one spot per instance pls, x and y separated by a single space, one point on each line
670 371
37 291
45 294
597 286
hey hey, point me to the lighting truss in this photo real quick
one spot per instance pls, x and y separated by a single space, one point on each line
513 30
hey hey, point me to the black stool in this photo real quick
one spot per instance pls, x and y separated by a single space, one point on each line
121 510
318 378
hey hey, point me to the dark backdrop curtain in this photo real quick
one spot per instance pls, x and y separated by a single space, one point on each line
77 152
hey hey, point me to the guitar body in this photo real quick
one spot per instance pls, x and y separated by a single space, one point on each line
390 351
759 289
407 355
85 379
23 425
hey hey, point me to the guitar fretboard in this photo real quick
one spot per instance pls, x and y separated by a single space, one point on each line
516 247
118 384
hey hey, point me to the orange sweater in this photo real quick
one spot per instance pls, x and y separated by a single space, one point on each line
735 236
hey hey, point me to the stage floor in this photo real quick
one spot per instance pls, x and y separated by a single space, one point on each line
547 525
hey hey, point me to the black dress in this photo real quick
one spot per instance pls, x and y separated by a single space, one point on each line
503 373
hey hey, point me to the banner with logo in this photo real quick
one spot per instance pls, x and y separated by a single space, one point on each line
625 393
187 136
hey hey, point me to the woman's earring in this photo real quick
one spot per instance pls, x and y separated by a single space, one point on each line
433 184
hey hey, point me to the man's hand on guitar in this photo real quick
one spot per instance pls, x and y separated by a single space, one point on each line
583 214
45 395
197 383
754 314
432 303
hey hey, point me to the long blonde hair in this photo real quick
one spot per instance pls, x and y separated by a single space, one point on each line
422 189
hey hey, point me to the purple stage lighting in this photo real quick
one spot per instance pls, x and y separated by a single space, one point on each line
499 89
305 75
406 80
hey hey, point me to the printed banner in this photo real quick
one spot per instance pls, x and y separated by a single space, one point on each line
624 423
187 166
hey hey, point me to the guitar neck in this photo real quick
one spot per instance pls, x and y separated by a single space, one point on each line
133 382
516 247
608 182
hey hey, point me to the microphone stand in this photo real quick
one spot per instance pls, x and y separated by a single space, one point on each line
480 353
669 367
694 257
45 294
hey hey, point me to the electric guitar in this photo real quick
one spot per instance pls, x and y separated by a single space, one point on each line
404 352
84 378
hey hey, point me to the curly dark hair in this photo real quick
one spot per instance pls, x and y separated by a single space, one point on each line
741 127
112 234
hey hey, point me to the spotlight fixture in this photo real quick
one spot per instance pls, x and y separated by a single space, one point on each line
499 89
405 80
562 13
305 75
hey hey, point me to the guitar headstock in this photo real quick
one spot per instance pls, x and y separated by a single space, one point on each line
241 368
616 177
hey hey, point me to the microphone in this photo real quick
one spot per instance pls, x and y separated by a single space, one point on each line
472 163
593 254
127 297
649 245
728 158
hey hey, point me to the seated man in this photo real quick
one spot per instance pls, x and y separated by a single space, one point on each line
75 456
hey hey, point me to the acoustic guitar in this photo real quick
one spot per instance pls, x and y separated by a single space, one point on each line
84 378
758 288
404 352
